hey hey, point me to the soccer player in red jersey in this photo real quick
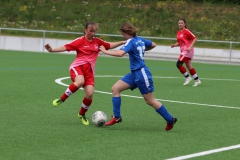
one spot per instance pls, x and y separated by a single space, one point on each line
83 67
186 40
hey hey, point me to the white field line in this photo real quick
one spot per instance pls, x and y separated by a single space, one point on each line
205 153
59 81
211 79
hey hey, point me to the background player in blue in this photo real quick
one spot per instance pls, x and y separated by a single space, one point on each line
140 76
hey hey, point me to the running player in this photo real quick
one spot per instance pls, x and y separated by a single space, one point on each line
186 40
82 68
140 76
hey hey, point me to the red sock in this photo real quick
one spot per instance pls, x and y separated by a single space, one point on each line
71 89
182 69
85 105
193 73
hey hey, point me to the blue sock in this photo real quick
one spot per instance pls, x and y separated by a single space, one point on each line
164 113
116 101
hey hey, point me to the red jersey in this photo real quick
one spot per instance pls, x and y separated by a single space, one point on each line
87 52
185 38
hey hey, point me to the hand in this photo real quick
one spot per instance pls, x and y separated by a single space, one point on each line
102 48
188 49
172 45
48 47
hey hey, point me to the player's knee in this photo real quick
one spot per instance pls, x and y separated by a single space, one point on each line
179 64
78 83
89 96
150 103
115 90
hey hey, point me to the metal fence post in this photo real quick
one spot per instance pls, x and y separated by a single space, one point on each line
230 53
0 36
44 37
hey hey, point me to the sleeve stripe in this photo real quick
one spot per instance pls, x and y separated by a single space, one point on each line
101 39
191 33
127 42
75 39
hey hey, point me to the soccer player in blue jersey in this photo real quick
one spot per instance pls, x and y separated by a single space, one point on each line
140 76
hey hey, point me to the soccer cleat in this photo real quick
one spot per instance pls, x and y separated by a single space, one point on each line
197 82
170 125
187 80
113 121
57 102
84 119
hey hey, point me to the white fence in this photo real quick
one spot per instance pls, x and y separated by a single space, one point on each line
159 52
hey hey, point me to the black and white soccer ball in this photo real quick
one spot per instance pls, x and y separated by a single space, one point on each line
99 118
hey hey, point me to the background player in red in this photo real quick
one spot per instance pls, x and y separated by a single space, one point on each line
82 68
186 40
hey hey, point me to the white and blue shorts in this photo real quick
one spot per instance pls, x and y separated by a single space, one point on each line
141 79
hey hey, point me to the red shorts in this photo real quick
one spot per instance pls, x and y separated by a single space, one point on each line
184 59
86 71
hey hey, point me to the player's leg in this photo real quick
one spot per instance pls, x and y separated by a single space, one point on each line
126 82
89 90
193 73
160 109
144 82
182 69
77 79
86 102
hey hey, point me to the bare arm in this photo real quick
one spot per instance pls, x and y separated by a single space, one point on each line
192 44
117 53
116 44
57 49
149 48
174 45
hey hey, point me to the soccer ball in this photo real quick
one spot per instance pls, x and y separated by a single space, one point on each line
99 118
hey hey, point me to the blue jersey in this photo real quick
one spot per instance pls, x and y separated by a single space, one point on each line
140 76
135 47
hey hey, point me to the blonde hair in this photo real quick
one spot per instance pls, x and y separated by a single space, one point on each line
129 29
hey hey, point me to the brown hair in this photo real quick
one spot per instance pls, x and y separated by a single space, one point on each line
88 24
129 29
184 20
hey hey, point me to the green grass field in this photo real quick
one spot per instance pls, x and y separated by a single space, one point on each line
31 128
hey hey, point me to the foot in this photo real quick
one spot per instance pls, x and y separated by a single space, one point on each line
170 125
197 82
84 119
187 80
113 121
57 102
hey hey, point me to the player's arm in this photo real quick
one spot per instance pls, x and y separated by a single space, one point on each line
192 37
117 53
193 42
116 44
151 47
57 49
174 45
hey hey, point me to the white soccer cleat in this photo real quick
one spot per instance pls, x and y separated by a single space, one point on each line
187 80
197 82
